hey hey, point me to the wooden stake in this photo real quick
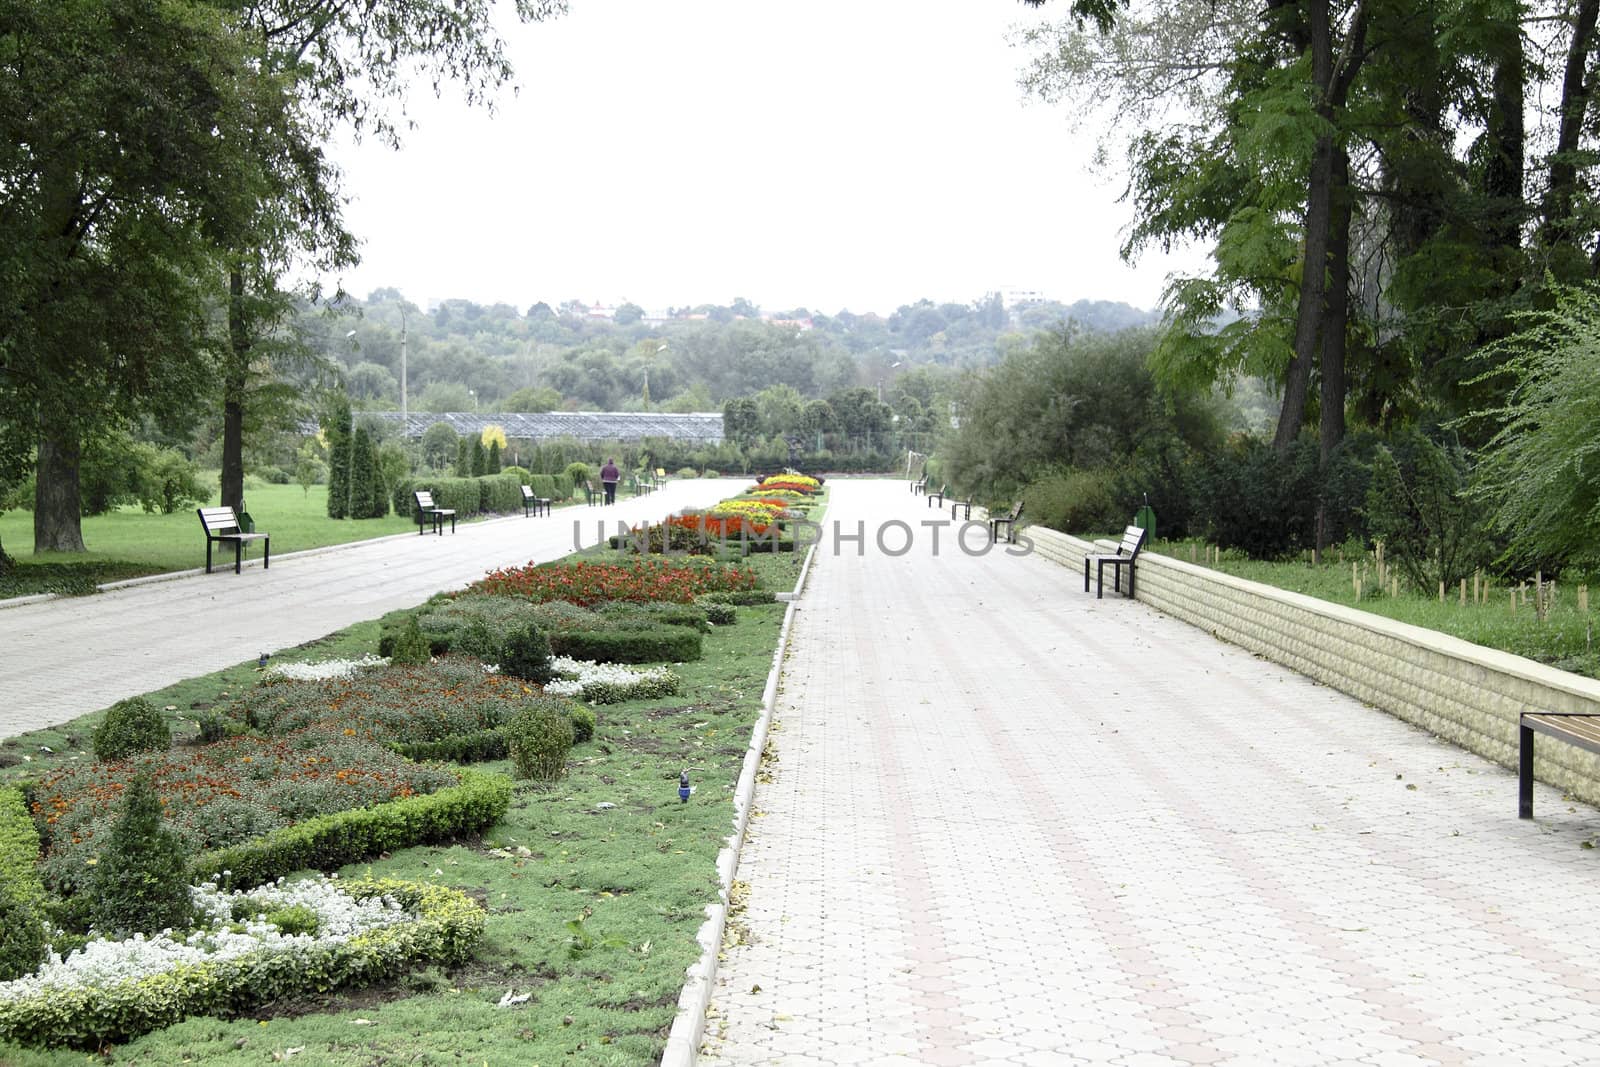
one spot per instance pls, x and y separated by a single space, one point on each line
1513 593
1463 592
1441 590
1193 553
1583 599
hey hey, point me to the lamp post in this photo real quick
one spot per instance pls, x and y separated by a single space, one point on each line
474 394
404 412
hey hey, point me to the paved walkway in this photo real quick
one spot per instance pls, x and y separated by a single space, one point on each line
62 658
1011 824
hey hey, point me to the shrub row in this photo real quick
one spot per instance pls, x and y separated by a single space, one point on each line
671 644
327 842
492 494
19 849
477 747
448 925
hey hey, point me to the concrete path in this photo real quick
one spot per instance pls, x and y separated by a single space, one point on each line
62 658
1011 824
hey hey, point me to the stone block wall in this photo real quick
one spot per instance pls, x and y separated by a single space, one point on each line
1462 692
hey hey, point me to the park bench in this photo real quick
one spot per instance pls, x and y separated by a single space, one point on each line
1008 520
661 476
920 486
1581 729
1125 555
221 524
533 503
428 511
944 491
592 494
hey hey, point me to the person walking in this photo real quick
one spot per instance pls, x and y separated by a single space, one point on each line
609 476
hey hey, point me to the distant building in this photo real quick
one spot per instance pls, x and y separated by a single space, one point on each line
1014 296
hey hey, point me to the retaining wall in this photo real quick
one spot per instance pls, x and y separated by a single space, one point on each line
1459 691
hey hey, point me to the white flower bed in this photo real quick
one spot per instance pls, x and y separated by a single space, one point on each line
610 683
103 963
323 670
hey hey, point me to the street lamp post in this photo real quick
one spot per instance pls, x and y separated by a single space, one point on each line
404 411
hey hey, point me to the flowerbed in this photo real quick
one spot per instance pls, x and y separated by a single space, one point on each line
401 704
323 670
586 582
221 794
609 683
362 931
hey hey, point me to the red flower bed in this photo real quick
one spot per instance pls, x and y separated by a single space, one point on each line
586 582
728 528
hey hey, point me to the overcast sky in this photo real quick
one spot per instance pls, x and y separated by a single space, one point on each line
835 154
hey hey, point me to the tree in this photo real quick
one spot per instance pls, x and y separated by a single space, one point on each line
439 444
532 400
346 63
479 460
628 313
741 420
445 397
492 463
126 130
463 467
336 426
308 469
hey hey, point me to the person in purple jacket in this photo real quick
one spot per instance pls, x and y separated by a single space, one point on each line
609 476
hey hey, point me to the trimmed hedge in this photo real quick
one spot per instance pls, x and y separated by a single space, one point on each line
447 928
739 597
492 494
665 644
327 842
19 850
476 747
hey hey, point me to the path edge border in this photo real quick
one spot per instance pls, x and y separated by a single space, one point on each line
689 1026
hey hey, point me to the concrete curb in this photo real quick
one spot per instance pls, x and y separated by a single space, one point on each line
683 1042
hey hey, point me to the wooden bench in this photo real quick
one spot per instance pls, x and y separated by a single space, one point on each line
221 524
661 476
1009 521
920 486
1125 555
535 503
1575 728
428 511
944 491
592 495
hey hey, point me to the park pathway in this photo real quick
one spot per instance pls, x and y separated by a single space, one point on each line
64 657
1008 823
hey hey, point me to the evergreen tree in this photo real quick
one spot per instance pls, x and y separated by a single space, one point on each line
463 458
363 465
493 462
141 883
480 459
337 427
380 484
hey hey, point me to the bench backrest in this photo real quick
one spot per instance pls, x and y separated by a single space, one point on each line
1016 512
527 492
661 472
1132 541
218 520
424 500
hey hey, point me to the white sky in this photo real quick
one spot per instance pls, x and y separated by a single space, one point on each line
856 154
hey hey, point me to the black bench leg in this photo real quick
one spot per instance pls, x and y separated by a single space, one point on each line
1100 580
1085 574
266 553
238 557
208 555
1524 772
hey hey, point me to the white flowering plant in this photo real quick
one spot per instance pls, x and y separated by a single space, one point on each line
241 954
322 670
610 683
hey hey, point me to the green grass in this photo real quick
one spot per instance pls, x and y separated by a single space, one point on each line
1565 639
634 878
129 543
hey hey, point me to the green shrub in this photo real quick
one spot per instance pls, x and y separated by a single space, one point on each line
328 842
22 932
1416 505
687 472
410 647
1075 501
564 486
1251 497
637 615
297 919
477 640
666 644
476 747
583 723
579 473
525 653
139 884
720 614
543 485
539 738
130 726
711 474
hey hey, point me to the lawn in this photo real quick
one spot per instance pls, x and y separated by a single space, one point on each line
594 887
1564 639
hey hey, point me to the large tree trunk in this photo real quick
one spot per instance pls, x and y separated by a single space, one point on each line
57 502
1505 138
1556 226
1313 273
1336 315
234 379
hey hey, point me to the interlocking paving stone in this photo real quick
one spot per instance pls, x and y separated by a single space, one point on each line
1010 823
